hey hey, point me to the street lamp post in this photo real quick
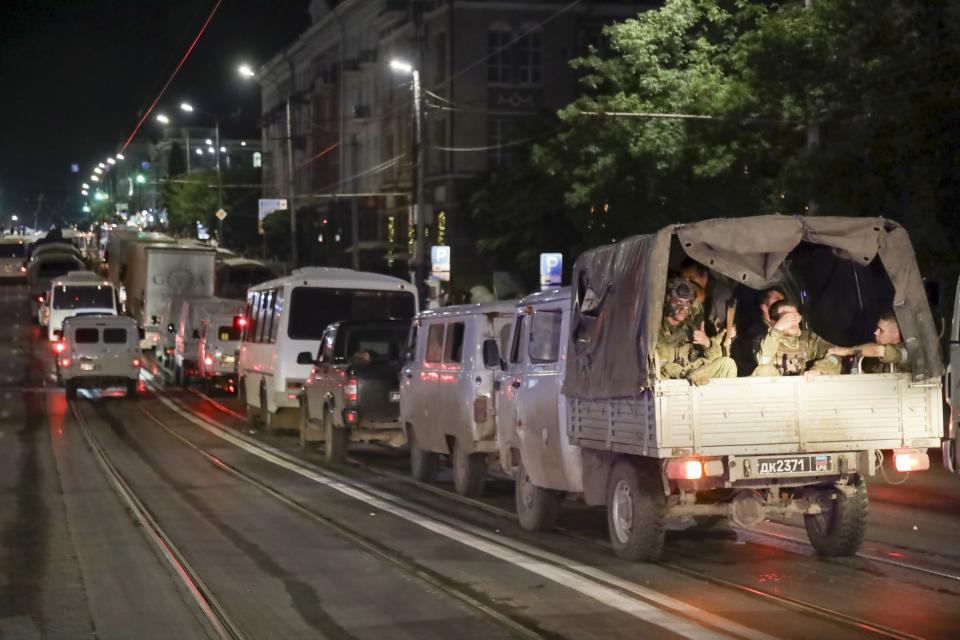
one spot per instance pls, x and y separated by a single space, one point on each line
189 108
246 71
419 244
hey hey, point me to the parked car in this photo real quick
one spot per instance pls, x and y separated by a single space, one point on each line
352 394
99 351
447 401
285 320
77 293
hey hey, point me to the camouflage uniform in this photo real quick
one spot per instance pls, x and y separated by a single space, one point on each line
781 355
895 359
680 358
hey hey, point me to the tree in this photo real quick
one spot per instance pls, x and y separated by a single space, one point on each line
189 198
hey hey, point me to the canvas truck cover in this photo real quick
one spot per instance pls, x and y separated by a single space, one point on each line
619 289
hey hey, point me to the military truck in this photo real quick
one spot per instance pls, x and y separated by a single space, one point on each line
748 447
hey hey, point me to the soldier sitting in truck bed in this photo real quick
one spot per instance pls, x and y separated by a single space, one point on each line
684 350
788 350
887 354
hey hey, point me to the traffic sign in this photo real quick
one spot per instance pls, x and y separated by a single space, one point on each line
551 270
440 262
266 206
221 214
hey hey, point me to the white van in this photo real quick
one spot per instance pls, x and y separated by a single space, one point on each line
217 353
77 293
186 347
447 391
285 320
13 256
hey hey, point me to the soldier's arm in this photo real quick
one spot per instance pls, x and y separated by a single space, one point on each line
825 364
767 351
894 354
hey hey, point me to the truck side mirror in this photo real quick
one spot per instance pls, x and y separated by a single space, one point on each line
304 357
491 354
408 355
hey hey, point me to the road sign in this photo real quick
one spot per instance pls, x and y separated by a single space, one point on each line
440 262
551 270
266 206
221 214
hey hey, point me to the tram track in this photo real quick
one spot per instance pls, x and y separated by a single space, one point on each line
824 613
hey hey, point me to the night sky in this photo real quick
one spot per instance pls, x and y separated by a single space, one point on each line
75 76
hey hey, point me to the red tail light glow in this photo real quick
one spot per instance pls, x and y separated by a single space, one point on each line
351 390
351 416
685 469
64 363
59 347
208 361
911 460
135 362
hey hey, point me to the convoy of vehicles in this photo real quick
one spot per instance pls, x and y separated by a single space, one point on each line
286 320
352 394
76 293
99 351
447 404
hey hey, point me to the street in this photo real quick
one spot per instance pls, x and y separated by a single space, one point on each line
169 517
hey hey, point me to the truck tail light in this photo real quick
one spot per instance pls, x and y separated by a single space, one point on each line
911 460
40 299
240 323
351 390
685 469
480 409
64 363
59 347
208 361
351 416
135 363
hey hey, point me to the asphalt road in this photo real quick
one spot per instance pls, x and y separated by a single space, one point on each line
280 546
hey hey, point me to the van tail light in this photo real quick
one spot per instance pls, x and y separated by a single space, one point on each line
351 390
208 361
136 363
59 347
65 363
351 416
480 409
40 299
685 469
911 460
23 269
240 323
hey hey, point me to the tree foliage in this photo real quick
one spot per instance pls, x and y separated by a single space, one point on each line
725 98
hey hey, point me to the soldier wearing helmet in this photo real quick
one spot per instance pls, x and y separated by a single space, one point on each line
684 350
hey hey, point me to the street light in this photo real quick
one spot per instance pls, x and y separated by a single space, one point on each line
111 161
120 156
94 179
97 170
162 119
14 218
189 108
419 246
246 71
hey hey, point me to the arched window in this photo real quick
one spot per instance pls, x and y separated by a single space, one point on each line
500 61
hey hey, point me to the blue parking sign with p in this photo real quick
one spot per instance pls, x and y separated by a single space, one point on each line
551 269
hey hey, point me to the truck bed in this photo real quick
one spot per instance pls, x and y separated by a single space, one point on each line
764 415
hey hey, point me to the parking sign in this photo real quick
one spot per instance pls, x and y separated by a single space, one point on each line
440 262
551 270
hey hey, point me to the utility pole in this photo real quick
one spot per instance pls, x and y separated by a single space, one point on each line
291 194
420 244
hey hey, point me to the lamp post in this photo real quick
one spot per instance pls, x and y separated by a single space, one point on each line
189 108
247 72
419 245
164 120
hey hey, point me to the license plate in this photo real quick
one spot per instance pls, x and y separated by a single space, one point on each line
394 396
229 359
87 366
793 464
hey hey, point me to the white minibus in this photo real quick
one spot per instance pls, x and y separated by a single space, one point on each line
77 293
285 319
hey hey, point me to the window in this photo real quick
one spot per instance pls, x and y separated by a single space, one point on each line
381 344
251 333
277 310
498 134
516 354
530 58
115 335
545 336
12 250
87 336
313 309
228 334
264 316
453 348
499 64
86 297
434 343
503 341
326 346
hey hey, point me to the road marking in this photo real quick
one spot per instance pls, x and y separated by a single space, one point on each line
603 587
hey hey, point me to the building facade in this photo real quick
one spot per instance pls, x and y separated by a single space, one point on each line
489 70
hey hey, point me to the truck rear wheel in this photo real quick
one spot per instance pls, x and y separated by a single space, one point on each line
335 448
537 508
636 512
839 529
469 471
423 464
